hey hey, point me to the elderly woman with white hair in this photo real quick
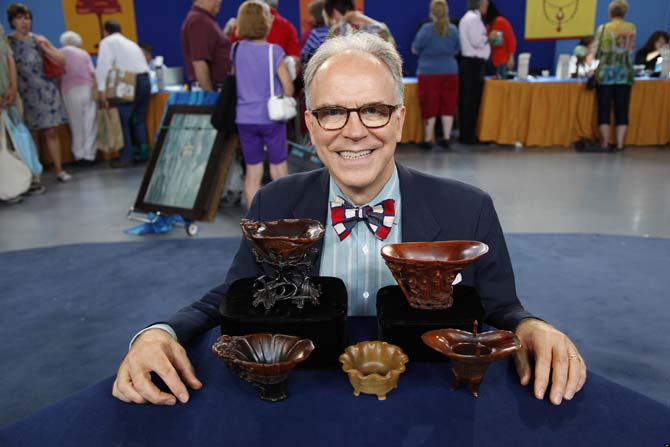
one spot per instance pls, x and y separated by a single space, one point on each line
77 87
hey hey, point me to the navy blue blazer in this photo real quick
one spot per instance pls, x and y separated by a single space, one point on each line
434 209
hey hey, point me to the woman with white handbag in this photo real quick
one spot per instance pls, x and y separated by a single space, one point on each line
264 96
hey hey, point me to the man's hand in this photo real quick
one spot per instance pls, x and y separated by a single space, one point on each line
155 351
510 62
554 353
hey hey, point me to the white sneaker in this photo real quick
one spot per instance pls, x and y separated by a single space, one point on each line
63 177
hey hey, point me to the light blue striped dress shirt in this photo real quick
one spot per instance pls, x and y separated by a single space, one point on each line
357 260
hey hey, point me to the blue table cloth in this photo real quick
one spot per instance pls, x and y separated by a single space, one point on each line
321 410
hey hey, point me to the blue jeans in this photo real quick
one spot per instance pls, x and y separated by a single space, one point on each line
138 108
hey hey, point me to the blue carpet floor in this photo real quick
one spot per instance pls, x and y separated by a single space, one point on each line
67 313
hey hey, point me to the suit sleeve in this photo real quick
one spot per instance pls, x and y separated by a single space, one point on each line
494 276
201 316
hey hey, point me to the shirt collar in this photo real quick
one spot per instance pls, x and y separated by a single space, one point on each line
391 190
202 10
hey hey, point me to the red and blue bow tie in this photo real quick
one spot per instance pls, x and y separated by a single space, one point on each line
379 218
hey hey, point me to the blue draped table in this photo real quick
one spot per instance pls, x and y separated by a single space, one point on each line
321 410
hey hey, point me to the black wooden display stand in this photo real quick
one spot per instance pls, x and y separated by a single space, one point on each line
325 324
402 325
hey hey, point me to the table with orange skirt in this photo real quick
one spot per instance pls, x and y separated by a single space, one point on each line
412 131
549 112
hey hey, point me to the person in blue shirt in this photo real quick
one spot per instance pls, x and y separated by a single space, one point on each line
437 43
318 33
355 113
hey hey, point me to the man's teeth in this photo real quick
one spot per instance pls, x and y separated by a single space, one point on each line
353 155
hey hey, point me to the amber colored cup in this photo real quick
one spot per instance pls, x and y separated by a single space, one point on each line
264 360
471 353
282 241
425 271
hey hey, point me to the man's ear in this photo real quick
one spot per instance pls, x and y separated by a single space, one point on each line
308 120
400 116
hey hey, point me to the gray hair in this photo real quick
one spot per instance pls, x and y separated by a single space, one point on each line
70 38
265 5
365 43
272 3
474 4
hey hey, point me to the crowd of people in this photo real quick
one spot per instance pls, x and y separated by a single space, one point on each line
44 87
454 56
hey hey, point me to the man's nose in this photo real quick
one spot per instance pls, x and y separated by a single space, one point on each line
354 129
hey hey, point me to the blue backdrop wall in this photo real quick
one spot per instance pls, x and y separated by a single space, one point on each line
159 22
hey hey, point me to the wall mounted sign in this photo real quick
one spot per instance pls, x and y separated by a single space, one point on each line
559 19
86 17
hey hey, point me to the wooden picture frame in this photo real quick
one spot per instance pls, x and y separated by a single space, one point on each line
188 166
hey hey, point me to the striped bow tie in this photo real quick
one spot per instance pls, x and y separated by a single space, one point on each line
379 218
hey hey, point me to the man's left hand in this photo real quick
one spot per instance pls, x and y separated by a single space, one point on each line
553 353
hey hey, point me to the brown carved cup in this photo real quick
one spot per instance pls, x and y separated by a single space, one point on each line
264 360
471 353
425 271
282 241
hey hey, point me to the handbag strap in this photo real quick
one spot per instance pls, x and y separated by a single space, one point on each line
272 71
235 45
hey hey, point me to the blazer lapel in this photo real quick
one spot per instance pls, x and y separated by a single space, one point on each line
418 221
314 205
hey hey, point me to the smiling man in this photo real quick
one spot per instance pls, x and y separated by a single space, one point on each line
354 94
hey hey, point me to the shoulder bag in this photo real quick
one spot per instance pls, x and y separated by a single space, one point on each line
280 108
223 117
592 82
22 141
15 176
52 69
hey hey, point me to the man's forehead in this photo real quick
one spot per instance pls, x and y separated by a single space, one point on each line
353 73
352 60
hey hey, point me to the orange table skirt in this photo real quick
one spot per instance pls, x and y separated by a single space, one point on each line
412 131
560 113
153 120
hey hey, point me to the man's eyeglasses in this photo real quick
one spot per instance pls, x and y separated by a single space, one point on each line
373 116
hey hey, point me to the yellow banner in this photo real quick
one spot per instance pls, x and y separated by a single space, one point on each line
560 19
86 17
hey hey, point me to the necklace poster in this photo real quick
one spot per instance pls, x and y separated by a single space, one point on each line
560 19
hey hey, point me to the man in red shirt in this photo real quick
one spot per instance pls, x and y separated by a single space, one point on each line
206 50
282 33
